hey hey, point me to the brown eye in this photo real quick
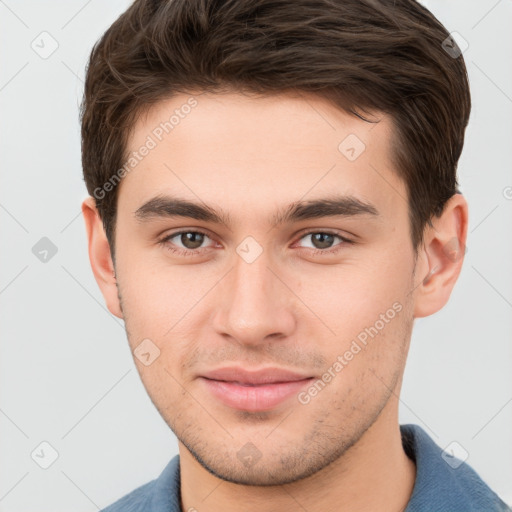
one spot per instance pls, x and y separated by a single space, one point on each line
187 243
322 240
192 239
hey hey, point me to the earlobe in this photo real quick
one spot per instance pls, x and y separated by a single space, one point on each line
100 257
442 257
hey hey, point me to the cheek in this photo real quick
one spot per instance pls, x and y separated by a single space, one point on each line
367 307
354 295
157 297
164 386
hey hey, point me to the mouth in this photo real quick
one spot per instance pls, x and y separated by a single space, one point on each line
262 390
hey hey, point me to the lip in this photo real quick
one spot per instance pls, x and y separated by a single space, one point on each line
262 376
253 391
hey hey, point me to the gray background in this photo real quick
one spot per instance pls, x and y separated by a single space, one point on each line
66 373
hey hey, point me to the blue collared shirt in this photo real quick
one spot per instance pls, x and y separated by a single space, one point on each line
439 487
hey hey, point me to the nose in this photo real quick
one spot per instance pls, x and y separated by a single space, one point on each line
253 303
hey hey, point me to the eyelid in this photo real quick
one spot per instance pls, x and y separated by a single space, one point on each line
166 239
343 238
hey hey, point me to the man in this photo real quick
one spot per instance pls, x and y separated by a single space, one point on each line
273 202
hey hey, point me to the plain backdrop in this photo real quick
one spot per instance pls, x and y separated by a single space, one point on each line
67 377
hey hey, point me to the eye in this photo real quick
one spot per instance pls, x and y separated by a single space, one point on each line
185 242
323 241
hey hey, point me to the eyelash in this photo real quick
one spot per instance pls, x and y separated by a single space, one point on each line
191 252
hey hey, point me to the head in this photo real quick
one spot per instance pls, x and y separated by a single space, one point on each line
274 186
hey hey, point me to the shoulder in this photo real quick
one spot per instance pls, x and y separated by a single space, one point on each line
134 501
444 482
162 493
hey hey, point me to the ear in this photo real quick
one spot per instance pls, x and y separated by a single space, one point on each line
100 257
441 257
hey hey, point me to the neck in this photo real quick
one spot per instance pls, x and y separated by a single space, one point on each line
374 474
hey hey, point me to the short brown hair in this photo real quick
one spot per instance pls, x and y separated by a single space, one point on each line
362 55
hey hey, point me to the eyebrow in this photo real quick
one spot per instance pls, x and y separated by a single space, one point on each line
164 206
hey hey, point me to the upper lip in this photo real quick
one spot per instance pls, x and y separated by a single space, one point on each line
263 376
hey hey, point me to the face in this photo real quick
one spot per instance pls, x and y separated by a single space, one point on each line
295 255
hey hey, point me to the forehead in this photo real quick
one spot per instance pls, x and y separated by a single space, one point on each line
250 152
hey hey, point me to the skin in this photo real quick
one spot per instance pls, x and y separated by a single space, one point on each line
290 308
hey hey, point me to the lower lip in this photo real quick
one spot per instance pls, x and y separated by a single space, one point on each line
254 398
